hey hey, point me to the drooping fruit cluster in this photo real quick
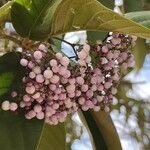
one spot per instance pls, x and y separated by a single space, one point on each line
54 86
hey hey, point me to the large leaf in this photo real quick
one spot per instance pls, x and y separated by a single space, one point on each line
140 51
93 36
21 134
95 134
32 18
10 71
142 17
92 15
5 12
101 130
6 80
107 129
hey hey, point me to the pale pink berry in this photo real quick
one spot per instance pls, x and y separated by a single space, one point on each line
104 61
24 62
70 88
31 114
26 98
55 97
94 80
88 59
104 49
64 80
32 75
59 56
85 108
68 102
48 74
13 94
89 104
46 82
107 109
30 89
64 61
110 55
99 98
116 77
86 47
58 91
96 108
89 94
107 85
80 80
55 106
94 87
37 108
22 104
5 105
72 95
81 100
116 41
116 54
42 47
36 70
55 79
53 62
62 70
84 87
82 55
81 62
13 106
78 93
40 99
100 87
52 87
113 91
72 81
38 55
55 69
36 95
124 66
40 78
62 96
31 65
40 115
124 55
67 74
54 120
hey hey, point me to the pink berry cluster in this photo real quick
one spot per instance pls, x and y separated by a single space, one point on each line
55 87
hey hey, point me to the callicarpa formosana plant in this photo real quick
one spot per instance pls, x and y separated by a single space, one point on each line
40 87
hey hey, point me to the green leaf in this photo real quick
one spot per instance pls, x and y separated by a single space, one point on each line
11 72
101 130
133 5
141 17
6 80
10 62
32 18
99 18
108 3
93 36
140 51
5 12
107 128
21 134
52 138
96 136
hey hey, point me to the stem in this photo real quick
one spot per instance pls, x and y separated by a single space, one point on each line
71 44
11 38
